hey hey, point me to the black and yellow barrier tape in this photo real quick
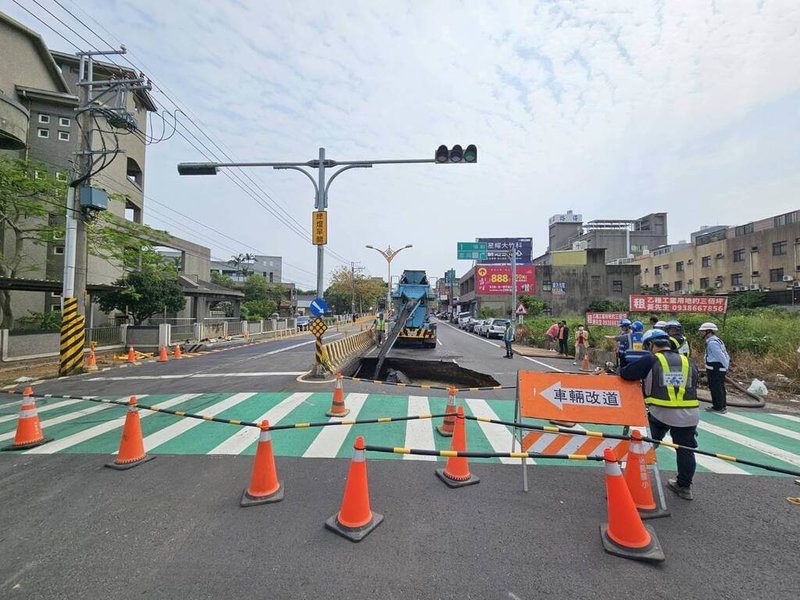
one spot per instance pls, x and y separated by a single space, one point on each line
618 436
426 386
455 454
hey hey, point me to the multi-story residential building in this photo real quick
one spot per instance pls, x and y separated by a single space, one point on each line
760 255
269 267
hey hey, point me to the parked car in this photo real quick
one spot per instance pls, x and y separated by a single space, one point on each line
302 323
480 326
496 328
470 326
463 318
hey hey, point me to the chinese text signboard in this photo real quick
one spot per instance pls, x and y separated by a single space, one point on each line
319 227
495 279
472 250
674 304
601 318
498 250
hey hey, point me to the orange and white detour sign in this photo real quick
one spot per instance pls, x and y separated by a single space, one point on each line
603 399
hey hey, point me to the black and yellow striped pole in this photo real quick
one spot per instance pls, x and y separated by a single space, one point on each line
72 337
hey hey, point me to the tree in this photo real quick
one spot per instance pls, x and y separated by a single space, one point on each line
221 279
143 294
346 287
534 306
242 263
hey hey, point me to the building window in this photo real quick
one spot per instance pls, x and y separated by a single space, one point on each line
776 275
706 261
657 271
61 176
55 308
63 136
43 133
678 286
738 255
58 250
736 279
779 248
704 283
134 173
271 277
743 229
595 280
547 286
64 121
44 119
55 294
679 267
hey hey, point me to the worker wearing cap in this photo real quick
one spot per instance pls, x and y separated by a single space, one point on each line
623 340
674 330
717 363
669 383
380 328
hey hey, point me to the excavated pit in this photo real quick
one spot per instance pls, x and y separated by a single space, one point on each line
421 372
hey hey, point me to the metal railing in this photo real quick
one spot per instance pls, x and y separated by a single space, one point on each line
104 336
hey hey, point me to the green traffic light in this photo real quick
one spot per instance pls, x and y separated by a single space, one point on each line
471 154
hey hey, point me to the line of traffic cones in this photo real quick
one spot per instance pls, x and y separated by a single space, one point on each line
264 485
637 476
29 432
625 534
131 446
456 472
448 424
338 408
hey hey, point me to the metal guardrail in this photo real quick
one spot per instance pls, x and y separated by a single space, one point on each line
103 336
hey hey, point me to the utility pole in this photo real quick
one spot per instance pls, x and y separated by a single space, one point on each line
353 270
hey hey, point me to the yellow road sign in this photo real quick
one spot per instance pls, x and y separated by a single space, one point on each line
319 227
317 327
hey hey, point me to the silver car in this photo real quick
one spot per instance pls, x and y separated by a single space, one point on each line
496 328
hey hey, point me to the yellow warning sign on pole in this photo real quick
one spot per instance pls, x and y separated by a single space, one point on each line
319 227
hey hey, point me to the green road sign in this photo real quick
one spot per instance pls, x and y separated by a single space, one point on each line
472 250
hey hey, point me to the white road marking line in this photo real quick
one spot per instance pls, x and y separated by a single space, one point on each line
64 418
743 440
92 432
438 341
538 362
162 436
241 440
42 409
788 417
13 402
486 341
765 426
715 465
255 374
499 436
419 433
137 377
330 439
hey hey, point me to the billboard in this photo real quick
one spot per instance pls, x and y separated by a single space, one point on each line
496 279
605 318
498 249
675 304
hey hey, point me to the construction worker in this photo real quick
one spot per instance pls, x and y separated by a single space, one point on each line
380 328
623 340
660 325
674 330
653 321
717 362
669 383
635 351
508 338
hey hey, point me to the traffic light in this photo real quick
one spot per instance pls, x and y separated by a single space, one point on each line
457 154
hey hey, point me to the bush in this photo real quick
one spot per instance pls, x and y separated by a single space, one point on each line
487 312
40 321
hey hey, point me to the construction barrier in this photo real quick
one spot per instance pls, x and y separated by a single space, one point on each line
72 339
338 353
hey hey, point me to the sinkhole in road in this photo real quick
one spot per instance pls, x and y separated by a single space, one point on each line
427 372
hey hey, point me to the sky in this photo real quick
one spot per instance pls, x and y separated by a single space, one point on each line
613 109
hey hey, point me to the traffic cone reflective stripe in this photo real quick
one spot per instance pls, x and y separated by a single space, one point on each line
448 424
29 432
178 352
625 534
355 519
338 408
585 366
162 355
637 477
131 355
131 445
264 485
92 361
456 473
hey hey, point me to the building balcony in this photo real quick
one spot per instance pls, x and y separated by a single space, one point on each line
14 120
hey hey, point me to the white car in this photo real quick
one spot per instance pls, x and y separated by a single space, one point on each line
480 326
463 319
495 328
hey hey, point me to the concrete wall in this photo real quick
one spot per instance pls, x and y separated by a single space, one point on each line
32 344
142 338
22 63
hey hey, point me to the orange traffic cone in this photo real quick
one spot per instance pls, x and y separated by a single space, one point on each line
638 479
449 422
456 473
337 408
355 519
131 446
625 535
585 366
91 365
29 431
264 485
162 355
178 353
131 355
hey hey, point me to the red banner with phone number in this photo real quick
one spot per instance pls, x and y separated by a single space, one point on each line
496 279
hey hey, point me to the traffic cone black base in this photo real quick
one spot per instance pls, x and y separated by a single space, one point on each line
439 430
650 553
457 483
130 465
343 413
656 513
26 446
248 500
354 534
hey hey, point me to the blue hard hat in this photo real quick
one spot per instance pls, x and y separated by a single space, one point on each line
624 323
637 326
654 336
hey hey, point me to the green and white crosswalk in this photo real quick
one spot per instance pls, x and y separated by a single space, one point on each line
80 426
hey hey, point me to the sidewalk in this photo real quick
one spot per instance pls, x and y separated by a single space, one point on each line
537 352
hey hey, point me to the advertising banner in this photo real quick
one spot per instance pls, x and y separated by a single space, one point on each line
674 304
605 318
496 279
498 249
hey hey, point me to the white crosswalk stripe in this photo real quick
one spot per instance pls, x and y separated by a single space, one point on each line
795 435
794 418
84 412
738 438
241 440
43 408
715 465
499 436
419 433
93 432
330 439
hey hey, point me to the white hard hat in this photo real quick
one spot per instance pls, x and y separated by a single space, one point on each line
708 327
660 324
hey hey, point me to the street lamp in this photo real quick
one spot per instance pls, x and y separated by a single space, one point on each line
389 254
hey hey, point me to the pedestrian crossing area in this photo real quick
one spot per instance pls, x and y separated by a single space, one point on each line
85 427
